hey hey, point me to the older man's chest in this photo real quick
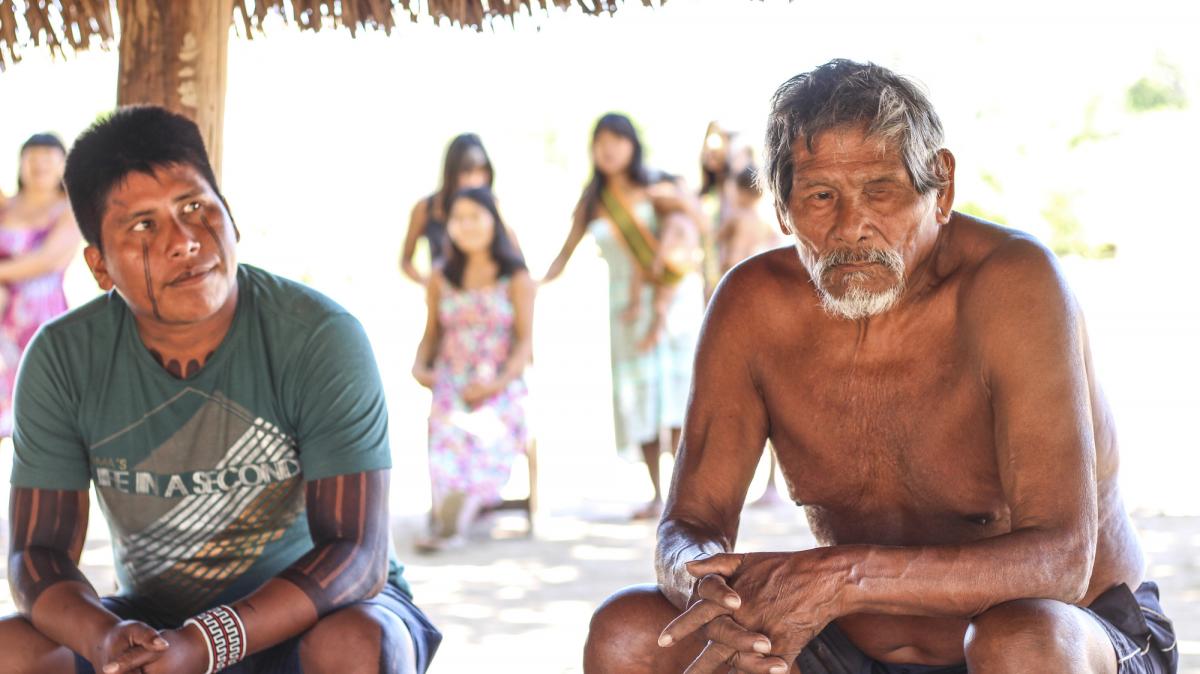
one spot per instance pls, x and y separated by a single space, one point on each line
888 441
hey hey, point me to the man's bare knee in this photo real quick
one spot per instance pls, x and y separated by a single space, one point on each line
357 639
1030 635
623 636
24 650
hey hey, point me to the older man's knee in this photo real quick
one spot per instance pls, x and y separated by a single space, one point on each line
623 636
357 638
1030 635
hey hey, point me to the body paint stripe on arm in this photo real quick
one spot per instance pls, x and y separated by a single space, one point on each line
347 516
48 532
336 572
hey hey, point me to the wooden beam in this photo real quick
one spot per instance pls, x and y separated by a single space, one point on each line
173 53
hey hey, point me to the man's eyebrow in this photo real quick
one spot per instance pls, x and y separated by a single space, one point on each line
188 195
807 182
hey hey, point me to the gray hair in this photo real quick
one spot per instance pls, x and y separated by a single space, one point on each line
844 92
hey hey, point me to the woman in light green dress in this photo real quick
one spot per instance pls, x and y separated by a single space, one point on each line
645 226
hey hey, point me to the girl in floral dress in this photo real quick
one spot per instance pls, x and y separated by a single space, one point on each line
477 342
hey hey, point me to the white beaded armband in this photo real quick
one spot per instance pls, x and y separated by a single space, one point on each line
224 636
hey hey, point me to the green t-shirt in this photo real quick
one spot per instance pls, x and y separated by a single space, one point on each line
202 480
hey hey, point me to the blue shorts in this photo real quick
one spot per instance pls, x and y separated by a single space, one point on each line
1134 622
284 657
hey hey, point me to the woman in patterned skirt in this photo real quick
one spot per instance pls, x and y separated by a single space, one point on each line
476 345
38 238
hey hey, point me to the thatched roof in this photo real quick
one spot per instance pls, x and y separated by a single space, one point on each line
63 26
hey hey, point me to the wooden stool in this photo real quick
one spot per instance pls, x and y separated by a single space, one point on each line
529 503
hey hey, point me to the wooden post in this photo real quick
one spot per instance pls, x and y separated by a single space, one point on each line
173 54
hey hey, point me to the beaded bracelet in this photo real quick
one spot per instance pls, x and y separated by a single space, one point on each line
224 636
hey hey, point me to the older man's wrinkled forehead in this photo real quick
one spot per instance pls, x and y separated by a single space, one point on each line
847 146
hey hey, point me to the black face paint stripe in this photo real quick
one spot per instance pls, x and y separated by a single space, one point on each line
149 287
213 233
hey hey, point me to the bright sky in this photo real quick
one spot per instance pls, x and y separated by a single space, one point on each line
329 141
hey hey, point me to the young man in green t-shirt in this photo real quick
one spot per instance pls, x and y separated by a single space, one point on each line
234 426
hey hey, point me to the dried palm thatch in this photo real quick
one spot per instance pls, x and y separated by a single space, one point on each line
76 25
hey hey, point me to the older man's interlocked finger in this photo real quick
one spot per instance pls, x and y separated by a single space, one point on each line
725 564
724 630
715 588
756 663
714 659
694 618
718 659
753 663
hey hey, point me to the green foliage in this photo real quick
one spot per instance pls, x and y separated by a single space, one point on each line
991 181
1066 232
979 210
1160 90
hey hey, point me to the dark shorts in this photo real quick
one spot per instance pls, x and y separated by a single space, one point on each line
284 658
1140 633
1138 629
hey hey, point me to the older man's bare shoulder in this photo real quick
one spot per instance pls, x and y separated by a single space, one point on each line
1006 269
775 268
761 281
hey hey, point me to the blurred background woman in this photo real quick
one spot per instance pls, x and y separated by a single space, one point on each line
647 226
38 238
466 165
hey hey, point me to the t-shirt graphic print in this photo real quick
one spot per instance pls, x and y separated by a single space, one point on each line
191 523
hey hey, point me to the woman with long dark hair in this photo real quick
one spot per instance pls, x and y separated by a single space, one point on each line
38 238
477 342
465 166
647 227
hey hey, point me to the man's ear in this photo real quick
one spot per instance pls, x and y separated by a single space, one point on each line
95 262
945 195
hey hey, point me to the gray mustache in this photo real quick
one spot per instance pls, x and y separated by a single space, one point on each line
841 256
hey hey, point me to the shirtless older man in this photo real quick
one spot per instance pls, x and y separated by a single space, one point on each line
926 381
